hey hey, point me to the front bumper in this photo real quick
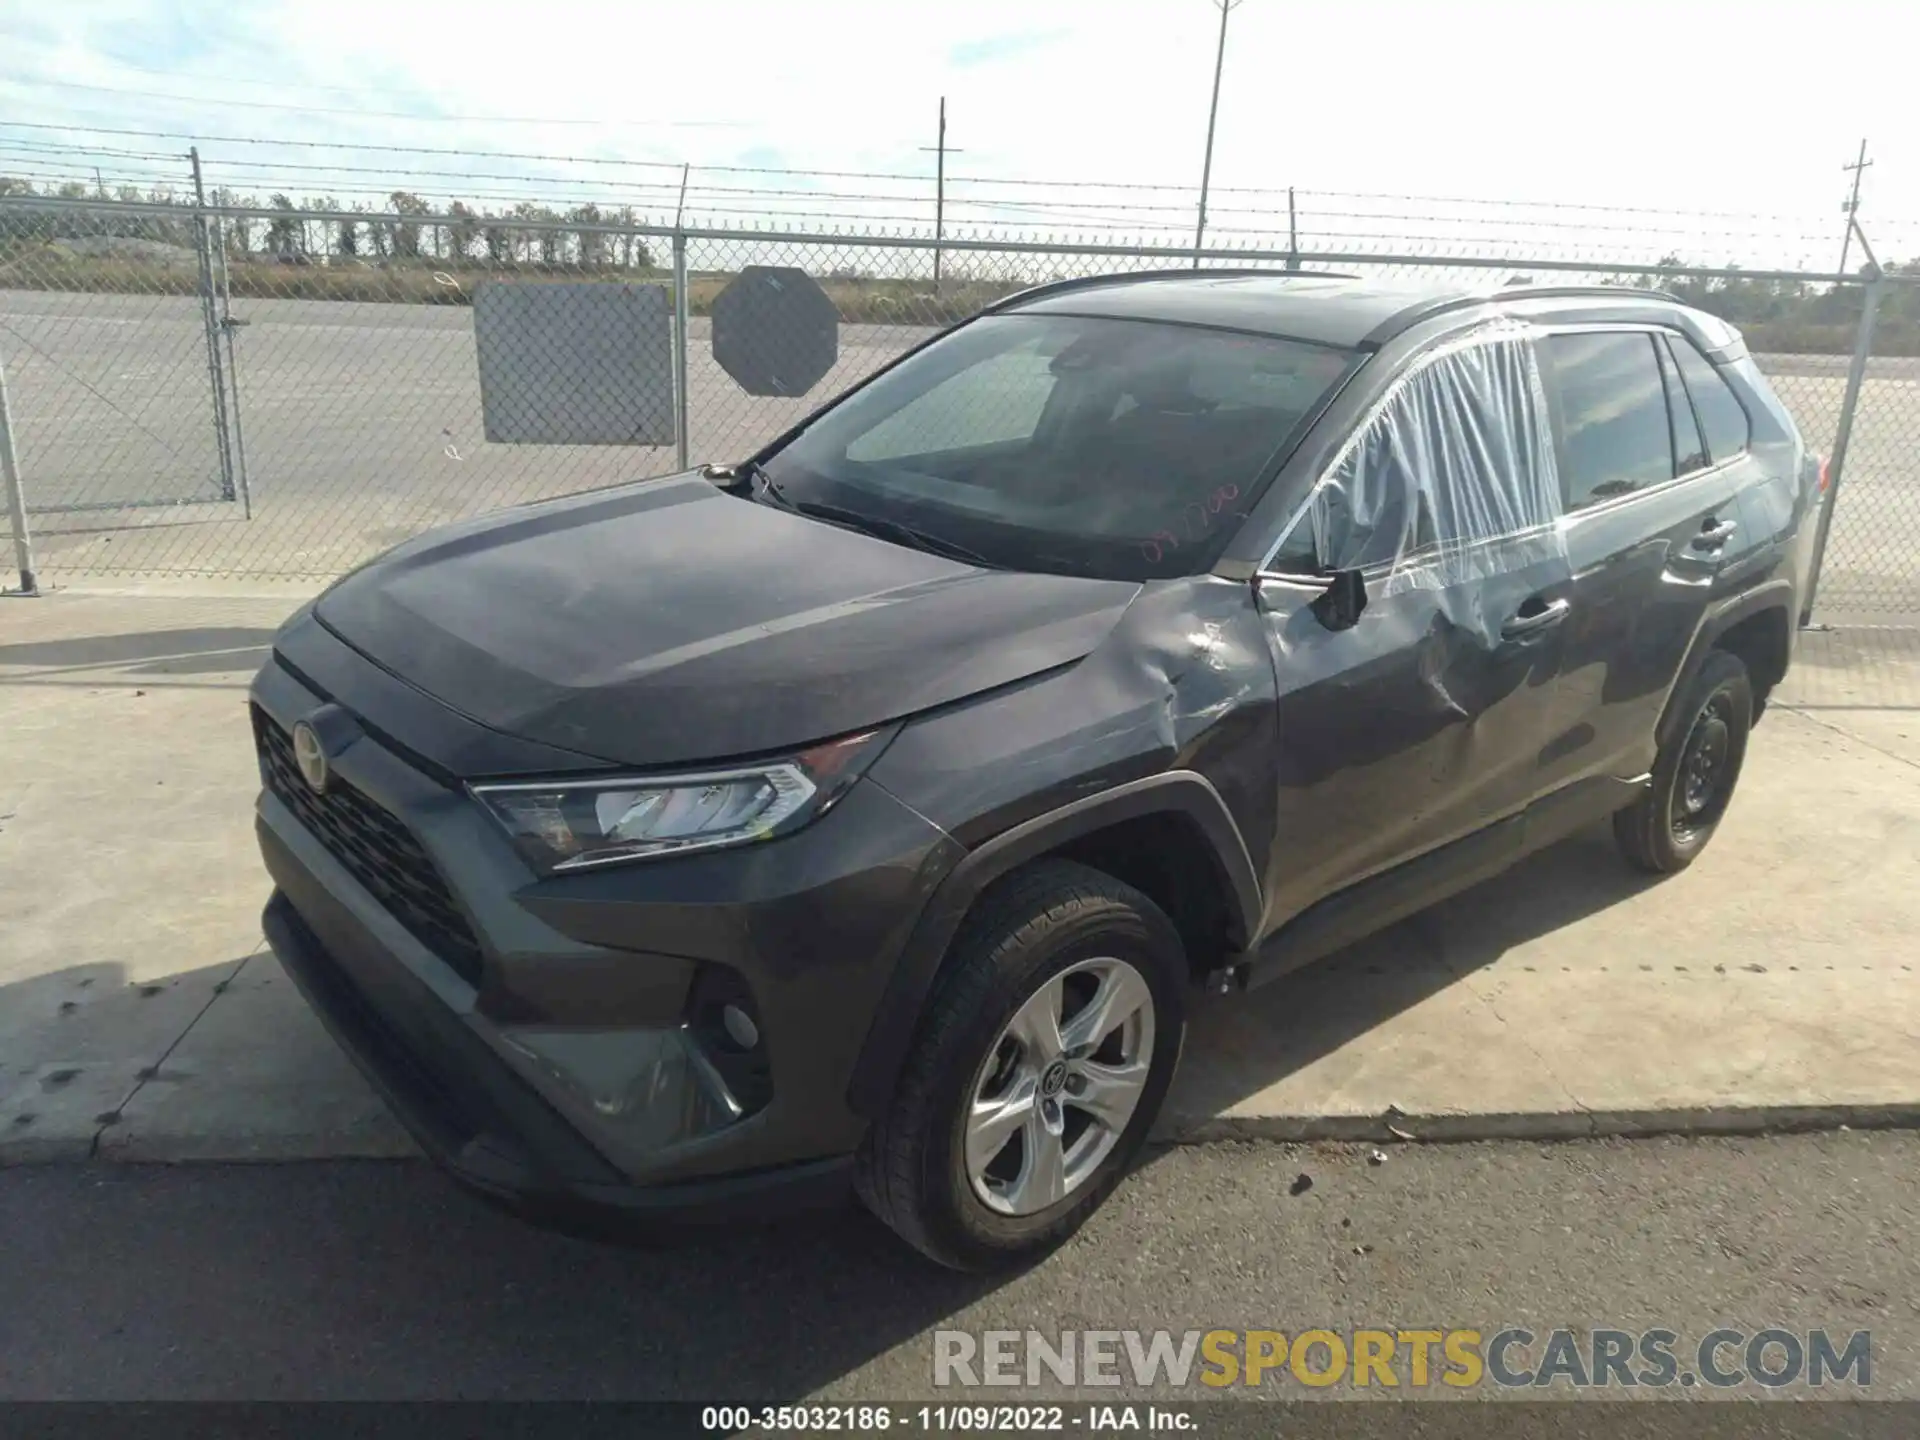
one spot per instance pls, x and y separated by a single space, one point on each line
552 1055
484 1127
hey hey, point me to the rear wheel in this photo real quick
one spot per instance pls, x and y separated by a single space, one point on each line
1694 773
1037 1070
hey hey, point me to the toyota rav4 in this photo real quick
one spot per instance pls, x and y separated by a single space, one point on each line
868 812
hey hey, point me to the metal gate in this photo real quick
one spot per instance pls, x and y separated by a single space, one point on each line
122 399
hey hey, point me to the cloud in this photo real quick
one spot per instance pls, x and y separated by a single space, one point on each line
993 48
328 96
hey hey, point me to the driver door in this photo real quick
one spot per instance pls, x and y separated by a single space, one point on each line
1427 717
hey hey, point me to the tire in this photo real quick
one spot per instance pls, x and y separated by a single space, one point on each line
1665 830
1070 934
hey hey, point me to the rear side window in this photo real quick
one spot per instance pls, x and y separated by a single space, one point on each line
1689 450
1723 419
1613 407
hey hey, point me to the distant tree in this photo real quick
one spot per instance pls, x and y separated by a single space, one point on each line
592 242
22 226
283 231
236 230
499 242
545 243
526 241
314 233
406 233
464 229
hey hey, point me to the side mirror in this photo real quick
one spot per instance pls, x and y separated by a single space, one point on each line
1338 607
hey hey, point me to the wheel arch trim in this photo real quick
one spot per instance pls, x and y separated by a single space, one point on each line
1775 595
1178 792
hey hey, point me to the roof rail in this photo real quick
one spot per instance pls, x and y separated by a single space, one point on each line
1082 282
1440 304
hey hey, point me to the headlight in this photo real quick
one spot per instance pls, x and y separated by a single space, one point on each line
573 824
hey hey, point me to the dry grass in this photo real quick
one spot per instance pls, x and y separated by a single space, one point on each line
858 298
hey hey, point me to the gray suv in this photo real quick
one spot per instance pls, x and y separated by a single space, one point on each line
865 813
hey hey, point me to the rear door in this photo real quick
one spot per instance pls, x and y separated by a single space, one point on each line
1651 519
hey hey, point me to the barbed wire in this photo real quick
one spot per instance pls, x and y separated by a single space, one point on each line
1023 182
41 154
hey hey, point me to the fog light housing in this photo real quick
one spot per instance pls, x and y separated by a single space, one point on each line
724 1021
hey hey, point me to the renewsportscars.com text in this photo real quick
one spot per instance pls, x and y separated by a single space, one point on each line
1405 1358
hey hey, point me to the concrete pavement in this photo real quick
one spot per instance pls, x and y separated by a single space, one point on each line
1772 985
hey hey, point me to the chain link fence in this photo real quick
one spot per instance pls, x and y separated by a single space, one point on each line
202 390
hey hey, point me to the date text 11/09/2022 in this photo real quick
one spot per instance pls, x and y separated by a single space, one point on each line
979 1419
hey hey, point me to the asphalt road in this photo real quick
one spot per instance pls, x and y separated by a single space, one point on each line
362 425
368 1280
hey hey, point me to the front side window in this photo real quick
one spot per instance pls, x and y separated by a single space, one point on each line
1125 449
1613 406
1451 480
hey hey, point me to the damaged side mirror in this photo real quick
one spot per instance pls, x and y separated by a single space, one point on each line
1338 607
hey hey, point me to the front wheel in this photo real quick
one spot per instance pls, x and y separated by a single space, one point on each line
1694 773
1037 1070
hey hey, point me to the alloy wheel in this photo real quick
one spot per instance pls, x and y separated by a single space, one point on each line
1059 1086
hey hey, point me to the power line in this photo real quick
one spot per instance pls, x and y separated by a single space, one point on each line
466 152
1529 214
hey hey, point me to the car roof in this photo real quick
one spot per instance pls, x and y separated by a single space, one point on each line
1325 309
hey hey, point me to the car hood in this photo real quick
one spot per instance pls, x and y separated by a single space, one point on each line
667 622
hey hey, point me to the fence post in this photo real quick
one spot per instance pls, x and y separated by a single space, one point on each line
681 311
209 320
228 324
16 497
1843 431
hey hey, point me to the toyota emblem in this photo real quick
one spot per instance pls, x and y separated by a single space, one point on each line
311 759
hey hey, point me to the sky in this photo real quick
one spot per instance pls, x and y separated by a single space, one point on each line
1742 110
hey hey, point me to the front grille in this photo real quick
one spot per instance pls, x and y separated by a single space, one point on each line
376 849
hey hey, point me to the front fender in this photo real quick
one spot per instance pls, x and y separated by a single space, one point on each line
1182 792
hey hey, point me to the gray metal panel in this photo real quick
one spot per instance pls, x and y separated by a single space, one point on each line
775 331
575 363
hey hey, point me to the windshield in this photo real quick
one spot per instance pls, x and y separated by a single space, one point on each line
1124 449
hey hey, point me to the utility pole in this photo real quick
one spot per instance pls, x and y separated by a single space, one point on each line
1226 8
1852 207
941 151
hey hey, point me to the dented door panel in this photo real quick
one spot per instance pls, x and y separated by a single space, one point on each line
1421 723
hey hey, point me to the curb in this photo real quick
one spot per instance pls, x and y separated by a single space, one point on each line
1445 1129
1698 1120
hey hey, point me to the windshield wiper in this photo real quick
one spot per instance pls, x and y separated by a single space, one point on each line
898 531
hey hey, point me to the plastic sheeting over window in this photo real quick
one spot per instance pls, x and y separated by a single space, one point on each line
1453 478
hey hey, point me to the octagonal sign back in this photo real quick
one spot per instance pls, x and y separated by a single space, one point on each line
775 331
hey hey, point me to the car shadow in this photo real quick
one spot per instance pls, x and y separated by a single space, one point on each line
369 1278
1242 1043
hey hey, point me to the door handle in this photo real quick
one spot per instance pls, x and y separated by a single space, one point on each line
1712 536
1547 616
